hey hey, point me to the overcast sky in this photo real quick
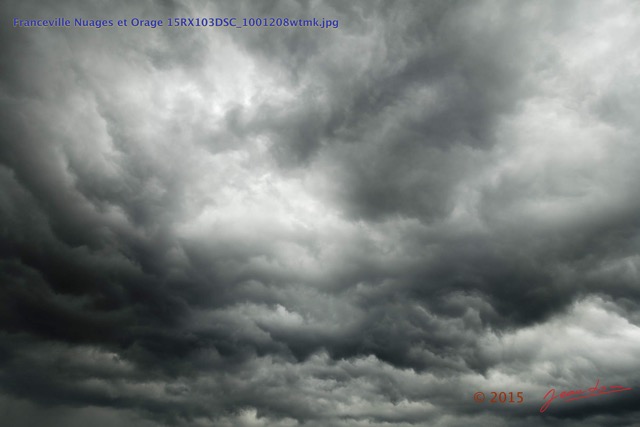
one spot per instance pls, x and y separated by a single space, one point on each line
352 226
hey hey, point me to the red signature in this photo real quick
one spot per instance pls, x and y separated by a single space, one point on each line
571 395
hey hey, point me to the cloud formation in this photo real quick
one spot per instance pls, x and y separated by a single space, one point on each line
354 226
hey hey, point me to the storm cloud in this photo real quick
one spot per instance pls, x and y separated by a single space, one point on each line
352 226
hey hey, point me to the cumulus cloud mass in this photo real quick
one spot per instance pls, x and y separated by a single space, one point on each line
352 226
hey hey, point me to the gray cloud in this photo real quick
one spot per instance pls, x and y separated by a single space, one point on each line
352 226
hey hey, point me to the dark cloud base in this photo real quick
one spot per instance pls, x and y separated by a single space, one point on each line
348 227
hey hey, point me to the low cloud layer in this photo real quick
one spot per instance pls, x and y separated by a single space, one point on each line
360 226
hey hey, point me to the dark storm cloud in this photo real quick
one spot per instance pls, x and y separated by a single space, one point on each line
353 226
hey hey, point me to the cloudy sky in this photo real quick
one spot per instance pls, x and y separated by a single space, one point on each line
352 226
